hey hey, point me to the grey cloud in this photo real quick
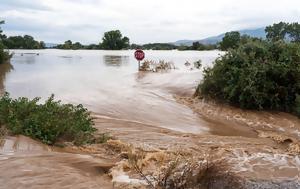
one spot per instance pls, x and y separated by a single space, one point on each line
23 4
141 20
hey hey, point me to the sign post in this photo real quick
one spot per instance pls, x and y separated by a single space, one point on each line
139 55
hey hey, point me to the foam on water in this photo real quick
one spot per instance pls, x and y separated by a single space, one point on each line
277 166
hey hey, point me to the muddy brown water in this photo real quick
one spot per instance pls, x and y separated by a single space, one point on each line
107 82
139 108
25 163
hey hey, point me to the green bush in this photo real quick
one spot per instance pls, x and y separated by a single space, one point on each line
50 122
256 75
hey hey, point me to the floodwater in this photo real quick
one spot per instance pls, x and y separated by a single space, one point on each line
108 83
148 109
25 163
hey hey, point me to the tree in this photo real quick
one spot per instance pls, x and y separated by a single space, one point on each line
92 46
284 31
42 45
195 45
77 46
1 22
231 40
126 42
293 31
199 46
30 43
113 40
158 46
4 55
276 32
2 36
68 44
19 42
135 46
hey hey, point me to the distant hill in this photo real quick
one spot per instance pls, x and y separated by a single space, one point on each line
259 32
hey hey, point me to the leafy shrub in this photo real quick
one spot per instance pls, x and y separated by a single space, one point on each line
256 75
49 122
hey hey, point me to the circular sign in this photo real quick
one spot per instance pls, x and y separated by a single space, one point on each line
139 54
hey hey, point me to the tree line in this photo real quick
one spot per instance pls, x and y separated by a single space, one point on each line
282 31
20 42
112 40
289 32
196 46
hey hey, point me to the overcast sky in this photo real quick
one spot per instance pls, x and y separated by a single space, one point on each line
142 21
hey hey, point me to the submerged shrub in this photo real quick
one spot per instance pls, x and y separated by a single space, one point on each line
49 122
204 174
181 172
256 75
150 65
198 64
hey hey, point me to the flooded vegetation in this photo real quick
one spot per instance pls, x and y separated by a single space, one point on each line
152 66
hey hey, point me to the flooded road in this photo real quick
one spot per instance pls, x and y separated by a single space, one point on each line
152 111
107 83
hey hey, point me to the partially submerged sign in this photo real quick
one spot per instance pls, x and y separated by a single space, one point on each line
139 55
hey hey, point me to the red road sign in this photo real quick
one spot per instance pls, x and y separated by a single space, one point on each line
139 54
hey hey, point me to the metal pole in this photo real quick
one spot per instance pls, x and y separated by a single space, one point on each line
139 66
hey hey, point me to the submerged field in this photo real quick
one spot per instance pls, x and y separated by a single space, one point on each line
152 113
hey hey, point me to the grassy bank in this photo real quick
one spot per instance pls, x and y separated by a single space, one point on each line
50 122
